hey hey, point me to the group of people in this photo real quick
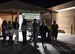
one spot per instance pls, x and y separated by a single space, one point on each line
42 30
8 29
11 28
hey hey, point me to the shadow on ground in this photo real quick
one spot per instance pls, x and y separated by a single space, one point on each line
64 48
46 51
18 49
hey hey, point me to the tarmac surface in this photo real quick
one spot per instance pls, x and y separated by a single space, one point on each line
65 45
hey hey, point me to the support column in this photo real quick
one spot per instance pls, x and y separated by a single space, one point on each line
51 18
12 15
71 29
12 18
18 15
74 25
41 16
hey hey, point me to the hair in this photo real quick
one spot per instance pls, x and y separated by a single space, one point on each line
16 19
34 20
54 21
24 21
9 22
4 22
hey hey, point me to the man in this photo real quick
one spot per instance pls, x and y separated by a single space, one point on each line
35 32
24 31
43 29
54 32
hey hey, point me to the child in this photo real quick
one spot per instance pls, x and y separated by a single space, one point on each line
10 33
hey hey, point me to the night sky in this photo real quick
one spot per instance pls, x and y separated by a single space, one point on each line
46 3
42 3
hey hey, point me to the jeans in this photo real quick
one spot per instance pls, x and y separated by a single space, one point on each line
49 34
17 35
43 35
10 40
4 36
24 38
35 37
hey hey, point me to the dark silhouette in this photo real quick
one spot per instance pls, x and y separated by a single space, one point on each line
54 32
4 30
35 32
10 33
24 31
16 30
43 29
49 32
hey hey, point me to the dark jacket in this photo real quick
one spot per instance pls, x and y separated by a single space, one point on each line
15 25
24 27
54 29
35 27
43 29
4 27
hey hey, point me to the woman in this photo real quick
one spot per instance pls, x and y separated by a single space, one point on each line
4 31
24 31
16 30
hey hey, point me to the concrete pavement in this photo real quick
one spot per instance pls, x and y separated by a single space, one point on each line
65 45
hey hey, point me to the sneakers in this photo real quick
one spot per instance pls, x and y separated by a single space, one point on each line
36 46
44 45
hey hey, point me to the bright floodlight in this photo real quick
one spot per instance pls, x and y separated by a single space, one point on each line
70 8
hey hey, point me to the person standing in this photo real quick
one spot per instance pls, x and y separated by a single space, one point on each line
49 32
43 29
35 33
54 32
4 31
10 33
24 31
16 30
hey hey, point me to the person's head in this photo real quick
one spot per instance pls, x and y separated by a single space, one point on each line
35 21
54 22
24 20
9 22
43 23
5 22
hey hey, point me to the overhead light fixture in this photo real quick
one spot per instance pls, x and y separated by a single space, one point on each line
70 8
